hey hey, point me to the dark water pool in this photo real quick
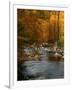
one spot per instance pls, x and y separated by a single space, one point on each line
44 69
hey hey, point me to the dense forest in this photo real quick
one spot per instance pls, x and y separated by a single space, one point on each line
38 27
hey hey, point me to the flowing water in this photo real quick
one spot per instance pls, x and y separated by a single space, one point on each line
43 68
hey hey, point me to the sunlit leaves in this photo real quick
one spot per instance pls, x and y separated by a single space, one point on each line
41 25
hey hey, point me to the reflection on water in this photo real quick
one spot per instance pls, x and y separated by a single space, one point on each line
40 68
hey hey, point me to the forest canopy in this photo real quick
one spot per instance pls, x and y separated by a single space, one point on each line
40 26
